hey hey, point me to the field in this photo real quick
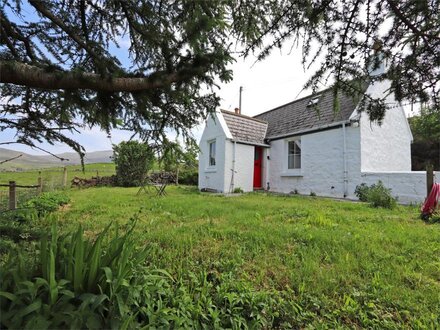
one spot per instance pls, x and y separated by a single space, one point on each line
335 263
340 260
52 179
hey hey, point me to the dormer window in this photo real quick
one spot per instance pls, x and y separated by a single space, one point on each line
314 101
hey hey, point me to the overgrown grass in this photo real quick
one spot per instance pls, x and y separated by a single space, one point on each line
345 263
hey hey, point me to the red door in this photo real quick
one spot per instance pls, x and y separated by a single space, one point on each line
258 159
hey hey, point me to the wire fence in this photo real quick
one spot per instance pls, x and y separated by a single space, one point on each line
29 184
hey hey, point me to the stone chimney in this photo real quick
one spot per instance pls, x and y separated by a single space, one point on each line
237 111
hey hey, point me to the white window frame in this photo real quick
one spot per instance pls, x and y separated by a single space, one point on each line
211 142
292 171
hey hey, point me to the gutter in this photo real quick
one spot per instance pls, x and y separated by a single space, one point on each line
233 167
345 161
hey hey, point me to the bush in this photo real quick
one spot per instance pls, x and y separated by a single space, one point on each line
361 192
377 195
133 160
189 177
238 190
47 202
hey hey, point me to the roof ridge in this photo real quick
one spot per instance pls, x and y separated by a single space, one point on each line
243 116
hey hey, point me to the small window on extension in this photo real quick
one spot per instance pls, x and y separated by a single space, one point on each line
211 153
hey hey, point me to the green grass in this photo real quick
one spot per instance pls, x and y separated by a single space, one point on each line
52 179
345 263
53 176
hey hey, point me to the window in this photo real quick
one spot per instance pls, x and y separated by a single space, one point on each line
211 153
294 155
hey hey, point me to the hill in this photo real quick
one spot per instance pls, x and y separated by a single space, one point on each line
27 161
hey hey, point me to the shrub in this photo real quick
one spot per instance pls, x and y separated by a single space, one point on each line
312 194
47 202
133 159
377 195
238 190
361 192
189 177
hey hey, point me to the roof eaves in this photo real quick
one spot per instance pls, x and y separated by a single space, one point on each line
308 130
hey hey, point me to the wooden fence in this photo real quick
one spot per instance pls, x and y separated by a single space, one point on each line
19 191
12 203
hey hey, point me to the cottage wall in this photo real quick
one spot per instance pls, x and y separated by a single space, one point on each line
322 169
385 147
244 166
212 177
322 165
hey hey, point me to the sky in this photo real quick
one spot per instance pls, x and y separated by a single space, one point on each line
269 83
277 80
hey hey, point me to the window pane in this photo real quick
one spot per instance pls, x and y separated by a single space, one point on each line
294 154
297 147
212 153
297 161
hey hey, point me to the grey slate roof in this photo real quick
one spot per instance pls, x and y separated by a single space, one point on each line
296 116
245 129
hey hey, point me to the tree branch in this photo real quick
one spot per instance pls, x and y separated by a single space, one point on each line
411 26
33 76
39 6
10 159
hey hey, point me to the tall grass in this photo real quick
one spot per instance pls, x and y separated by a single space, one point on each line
266 261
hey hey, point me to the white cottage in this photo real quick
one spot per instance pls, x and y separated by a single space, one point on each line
294 148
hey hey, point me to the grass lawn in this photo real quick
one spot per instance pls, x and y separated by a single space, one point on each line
341 263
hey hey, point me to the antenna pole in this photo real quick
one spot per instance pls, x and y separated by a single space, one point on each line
239 100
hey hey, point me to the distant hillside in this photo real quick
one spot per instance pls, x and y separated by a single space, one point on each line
27 161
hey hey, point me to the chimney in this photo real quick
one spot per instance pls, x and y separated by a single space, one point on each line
237 111
376 62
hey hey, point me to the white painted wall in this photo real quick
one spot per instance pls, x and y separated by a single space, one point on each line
386 147
244 167
219 177
212 177
409 187
322 168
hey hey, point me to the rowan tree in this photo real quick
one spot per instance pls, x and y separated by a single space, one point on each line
60 68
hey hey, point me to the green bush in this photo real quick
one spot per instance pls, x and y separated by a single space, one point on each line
133 160
47 202
377 195
189 177
361 192
238 190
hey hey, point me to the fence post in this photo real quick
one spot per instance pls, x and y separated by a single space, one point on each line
65 177
429 178
12 196
40 183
